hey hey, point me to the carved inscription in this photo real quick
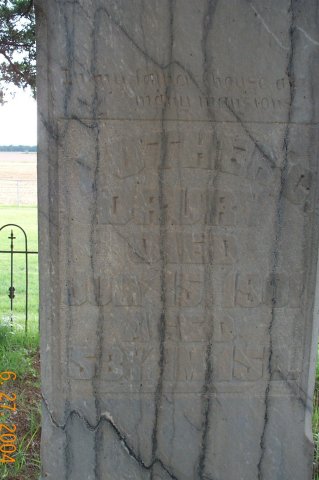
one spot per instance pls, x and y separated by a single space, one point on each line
146 91
170 221
186 287
161 78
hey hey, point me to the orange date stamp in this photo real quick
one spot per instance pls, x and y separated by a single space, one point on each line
8 436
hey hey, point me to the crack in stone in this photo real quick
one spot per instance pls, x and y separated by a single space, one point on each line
302 397
69 42
99 326
278 231
308 37
68 454
267 28
260 147
52 132
142 16
70 60
206 399
163 249
94 428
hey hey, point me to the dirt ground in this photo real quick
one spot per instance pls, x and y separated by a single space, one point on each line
18 178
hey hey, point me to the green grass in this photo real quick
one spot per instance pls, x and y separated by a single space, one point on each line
26 217
315 425
16 351
19 352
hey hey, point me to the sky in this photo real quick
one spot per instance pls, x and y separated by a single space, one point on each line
18 120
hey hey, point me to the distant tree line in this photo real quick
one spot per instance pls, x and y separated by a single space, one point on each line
18 148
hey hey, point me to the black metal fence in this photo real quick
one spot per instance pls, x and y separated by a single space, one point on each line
12 252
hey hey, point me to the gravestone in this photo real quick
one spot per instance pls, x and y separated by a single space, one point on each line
178 146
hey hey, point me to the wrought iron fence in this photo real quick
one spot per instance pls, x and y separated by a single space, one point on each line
12 252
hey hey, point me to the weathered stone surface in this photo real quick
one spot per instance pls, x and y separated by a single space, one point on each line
179 235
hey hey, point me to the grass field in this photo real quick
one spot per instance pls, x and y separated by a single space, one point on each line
315 426
20 353
18 178
26 217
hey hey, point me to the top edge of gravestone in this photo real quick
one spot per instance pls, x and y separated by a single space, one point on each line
122 60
